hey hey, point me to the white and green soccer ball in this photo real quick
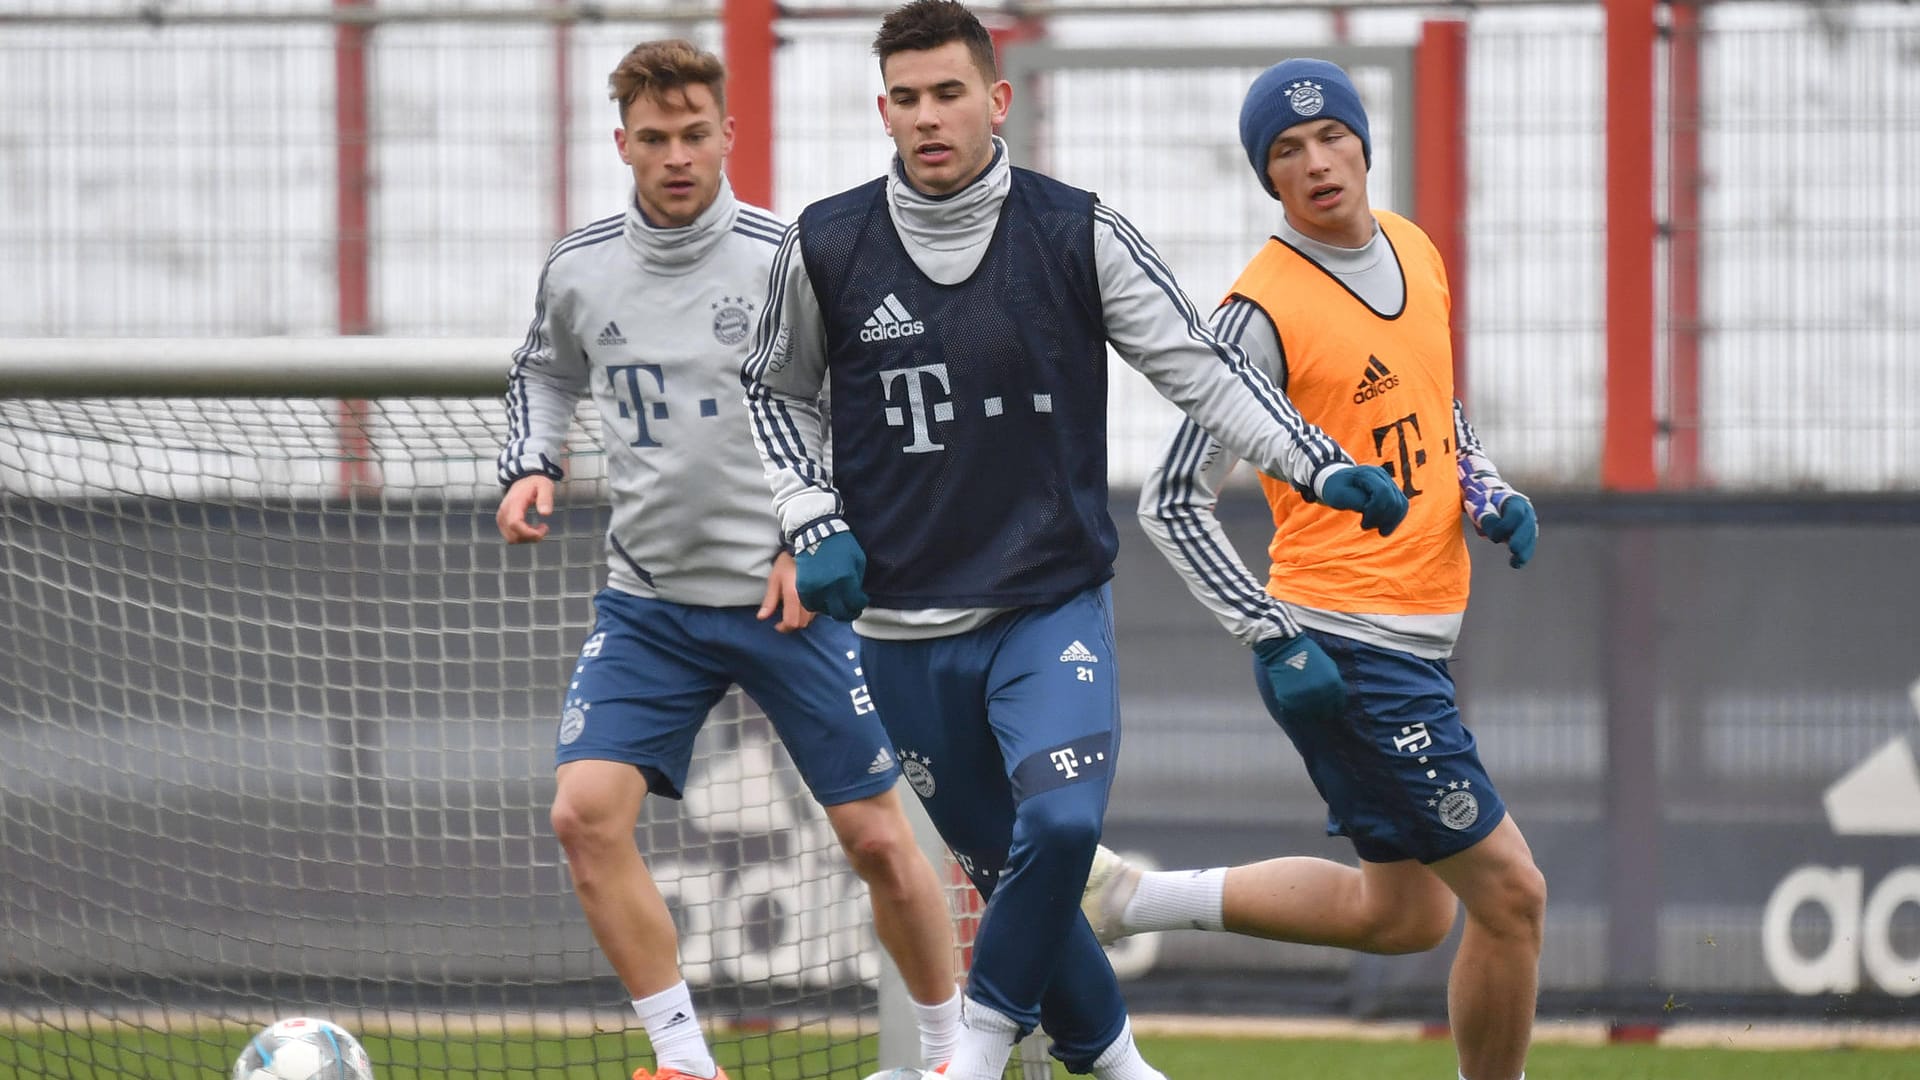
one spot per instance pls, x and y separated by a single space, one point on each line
303 1048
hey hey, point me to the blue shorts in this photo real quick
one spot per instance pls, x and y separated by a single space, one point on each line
651 670
1400 773
984 720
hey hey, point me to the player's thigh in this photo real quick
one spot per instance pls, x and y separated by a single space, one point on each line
640 691
1053 697
809 684
932 698
1400 770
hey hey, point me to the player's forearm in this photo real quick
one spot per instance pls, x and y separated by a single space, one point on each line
1482 489
540 402
783 375
1177 514
1156 329
789 433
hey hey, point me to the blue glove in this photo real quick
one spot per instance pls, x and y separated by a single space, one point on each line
827 576
1368 489
1303 683
1516 527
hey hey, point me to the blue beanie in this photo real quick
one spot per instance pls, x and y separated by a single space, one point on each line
1294 92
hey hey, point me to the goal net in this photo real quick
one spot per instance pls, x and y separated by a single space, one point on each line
278 710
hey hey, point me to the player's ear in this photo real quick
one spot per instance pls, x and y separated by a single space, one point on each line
880 102
726 136
1001 99
620 144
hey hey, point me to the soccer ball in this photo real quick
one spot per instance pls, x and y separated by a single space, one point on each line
902 1073
303 1048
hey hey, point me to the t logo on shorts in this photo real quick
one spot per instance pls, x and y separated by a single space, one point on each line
1089 757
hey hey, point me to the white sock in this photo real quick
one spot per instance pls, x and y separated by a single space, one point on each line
678 1042
1121 1060
939 1030
1177 900
986 1042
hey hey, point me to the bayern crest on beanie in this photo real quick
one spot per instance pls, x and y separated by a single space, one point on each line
1294 92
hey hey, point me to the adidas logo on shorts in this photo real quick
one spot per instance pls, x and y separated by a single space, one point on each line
882 761
1078 654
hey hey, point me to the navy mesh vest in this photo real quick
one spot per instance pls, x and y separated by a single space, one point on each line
969 420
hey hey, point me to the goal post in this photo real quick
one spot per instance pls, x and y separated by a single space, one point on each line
278 747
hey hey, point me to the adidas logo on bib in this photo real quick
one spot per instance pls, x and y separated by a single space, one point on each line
890 320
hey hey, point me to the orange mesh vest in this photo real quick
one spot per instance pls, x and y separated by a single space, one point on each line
1383 388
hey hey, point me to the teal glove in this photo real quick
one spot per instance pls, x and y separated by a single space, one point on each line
1298 681
1516 527
827 576
1368 489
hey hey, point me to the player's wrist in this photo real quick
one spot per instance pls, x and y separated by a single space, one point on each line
1326 473
808 536
514 470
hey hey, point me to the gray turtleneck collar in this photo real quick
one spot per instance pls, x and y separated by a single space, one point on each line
1371 270
948 234
675 251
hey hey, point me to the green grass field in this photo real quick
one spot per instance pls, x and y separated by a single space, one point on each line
121 1055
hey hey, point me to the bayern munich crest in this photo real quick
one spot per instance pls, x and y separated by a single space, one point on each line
732 319
1457 807
1305 98
918 773
573 722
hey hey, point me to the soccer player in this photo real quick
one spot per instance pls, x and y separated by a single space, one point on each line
651 311
958 312
1348 309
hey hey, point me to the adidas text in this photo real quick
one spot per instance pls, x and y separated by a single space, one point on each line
1374 390
892 330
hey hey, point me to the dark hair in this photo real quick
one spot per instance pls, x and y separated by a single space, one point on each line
658 69
929 24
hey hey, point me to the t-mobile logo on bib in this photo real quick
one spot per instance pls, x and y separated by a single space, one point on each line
916 379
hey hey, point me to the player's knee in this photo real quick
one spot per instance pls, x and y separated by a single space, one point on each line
581 829
1060 824
1413 927
1529 891
877 848
1516 905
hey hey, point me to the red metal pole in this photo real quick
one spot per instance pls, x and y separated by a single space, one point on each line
1683 245
1626 461
1440 156
562 124
748 40
351 252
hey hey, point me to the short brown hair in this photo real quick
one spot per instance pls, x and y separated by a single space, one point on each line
929 24
658 69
